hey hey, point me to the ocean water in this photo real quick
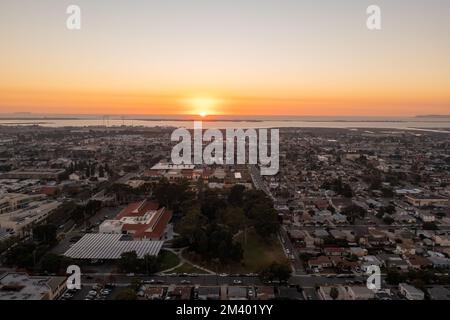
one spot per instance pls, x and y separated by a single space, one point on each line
405 123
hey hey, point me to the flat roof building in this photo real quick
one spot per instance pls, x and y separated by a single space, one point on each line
21 286
97 246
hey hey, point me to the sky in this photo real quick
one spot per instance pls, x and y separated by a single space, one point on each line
233 57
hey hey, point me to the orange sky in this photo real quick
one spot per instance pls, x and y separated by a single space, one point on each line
290 59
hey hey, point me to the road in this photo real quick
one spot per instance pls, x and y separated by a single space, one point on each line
304 281
258 181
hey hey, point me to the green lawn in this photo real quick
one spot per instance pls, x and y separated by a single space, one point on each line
258 253
168 260
188 268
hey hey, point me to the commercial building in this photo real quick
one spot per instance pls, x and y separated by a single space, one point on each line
21 286
13 201
22 220
424 201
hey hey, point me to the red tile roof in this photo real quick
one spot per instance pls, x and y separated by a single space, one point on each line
153 230
138 209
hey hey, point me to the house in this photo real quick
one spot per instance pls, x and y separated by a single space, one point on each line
393 261
360 293
369 261
334 251
324 292
405 249
264 293
442 240
439 293
321 233
344 265
179 293
320 263
74 177
339 218
410 292
358 251
208 293
439 262
153 293
427 216
338 234
418 262
288 293
237 293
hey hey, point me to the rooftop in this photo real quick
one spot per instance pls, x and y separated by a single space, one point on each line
111 246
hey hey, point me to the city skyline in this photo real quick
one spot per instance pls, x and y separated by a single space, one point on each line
258 58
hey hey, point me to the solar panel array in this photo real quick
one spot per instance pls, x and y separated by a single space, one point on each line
109 246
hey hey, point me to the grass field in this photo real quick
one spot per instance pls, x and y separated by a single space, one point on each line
258 254
188 268
168 260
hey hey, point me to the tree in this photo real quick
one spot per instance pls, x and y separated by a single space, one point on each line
334 293
211 203
92 207
339 187
55 263
353 211
388 220
129 262
23 255
393 277
265 221
45 233
276 271
236 195
430 226
127 294
101 171
173 195
150 264
191 223
234 218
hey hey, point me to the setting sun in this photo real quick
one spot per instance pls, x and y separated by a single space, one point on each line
203 106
